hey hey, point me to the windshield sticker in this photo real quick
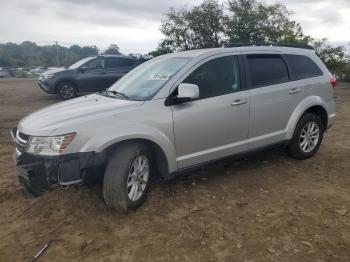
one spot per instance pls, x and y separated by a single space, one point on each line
161 76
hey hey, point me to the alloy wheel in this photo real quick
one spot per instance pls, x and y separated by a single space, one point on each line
309 137
67 91
138 178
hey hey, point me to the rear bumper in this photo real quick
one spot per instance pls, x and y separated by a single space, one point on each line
331 113
331 120
37 174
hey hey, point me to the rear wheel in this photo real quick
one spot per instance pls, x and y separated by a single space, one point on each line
127 177
66 90
307 137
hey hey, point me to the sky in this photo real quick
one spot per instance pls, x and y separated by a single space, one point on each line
134 24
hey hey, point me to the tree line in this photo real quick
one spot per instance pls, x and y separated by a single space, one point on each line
210 24
30 54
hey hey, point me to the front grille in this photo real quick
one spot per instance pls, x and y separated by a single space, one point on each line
21 141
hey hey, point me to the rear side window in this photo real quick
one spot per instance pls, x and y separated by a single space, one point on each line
118 62
303 66
267 70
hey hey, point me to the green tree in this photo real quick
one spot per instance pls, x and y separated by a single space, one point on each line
199 27
113 49
164 47
206 21
251 21
176 29
30 54
335 58
84 51
212 24
345 76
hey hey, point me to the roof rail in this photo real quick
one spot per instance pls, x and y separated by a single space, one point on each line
270 44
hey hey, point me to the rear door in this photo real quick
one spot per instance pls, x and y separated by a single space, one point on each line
215 125
273 98
116 67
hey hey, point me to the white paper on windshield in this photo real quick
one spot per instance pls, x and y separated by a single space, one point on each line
160 76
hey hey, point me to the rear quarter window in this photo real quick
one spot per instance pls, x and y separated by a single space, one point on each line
303 66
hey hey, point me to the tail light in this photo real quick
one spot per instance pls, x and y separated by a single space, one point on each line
333 81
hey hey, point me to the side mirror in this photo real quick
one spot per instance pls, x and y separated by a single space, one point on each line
83 69
185 93
190 91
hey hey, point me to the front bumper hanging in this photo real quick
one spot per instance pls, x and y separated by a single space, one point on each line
38 173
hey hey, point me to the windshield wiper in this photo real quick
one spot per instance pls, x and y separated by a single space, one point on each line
116 93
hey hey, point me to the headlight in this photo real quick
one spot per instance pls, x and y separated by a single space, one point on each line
52 145
47 76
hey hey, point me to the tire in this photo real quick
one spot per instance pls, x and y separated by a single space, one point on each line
116 193
28 193
66 90
304 143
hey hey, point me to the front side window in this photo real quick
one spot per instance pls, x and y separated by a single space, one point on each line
303 67
95 64
267 70
143 82
217 77
80 63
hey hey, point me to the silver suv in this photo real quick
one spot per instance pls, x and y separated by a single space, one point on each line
177 112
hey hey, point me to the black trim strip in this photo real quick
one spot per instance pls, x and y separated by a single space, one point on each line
235 156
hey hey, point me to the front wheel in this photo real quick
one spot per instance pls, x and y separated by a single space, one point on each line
127 177
307 137
66 90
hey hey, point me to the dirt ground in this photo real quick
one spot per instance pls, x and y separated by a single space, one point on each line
267 207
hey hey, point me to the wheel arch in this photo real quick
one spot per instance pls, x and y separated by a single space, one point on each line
160 157
313 104
321 112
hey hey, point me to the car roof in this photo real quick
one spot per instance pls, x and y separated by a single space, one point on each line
115 56
246 49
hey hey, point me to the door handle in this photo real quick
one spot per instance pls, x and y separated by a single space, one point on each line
102 73
294 90
238 102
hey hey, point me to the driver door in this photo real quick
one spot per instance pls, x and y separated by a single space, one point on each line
215 125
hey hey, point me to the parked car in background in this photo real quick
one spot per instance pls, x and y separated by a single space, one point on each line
177 112
90 74
20 72
37 71
5 72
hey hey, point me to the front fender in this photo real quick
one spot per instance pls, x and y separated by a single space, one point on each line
102 141
299 111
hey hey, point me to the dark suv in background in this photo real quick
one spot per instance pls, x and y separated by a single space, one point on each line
90 74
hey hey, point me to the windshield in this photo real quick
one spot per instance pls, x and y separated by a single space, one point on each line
145 81
80 63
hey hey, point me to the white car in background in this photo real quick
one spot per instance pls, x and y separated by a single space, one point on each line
4 72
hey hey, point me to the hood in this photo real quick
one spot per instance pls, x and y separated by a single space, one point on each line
54 71
73 112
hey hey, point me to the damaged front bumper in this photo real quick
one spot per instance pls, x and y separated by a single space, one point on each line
37 173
